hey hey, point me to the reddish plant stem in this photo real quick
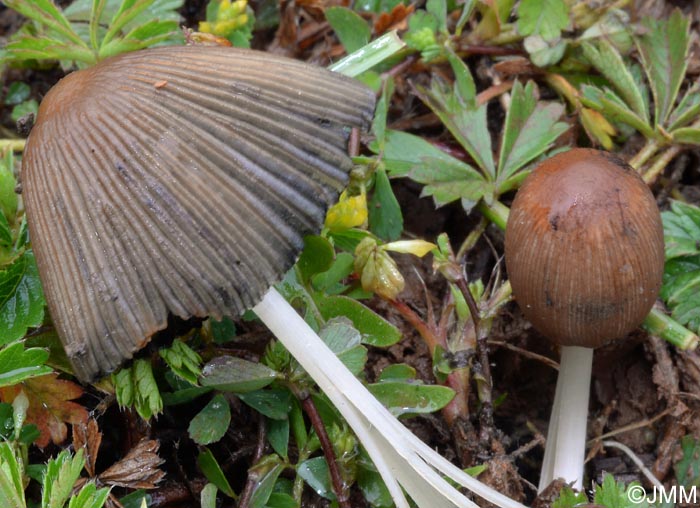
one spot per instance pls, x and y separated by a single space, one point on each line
247 493
458 379
339 487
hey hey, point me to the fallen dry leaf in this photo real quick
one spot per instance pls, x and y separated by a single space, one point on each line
397 19
50 406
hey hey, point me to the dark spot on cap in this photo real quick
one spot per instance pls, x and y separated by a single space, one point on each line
554 222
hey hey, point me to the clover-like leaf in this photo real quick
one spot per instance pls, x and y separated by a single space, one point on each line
543 17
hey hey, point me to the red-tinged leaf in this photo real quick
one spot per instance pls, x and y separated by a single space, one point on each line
50 406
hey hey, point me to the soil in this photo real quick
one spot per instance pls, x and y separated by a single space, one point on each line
644 393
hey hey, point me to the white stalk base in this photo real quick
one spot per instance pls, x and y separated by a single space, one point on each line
402 459
565 451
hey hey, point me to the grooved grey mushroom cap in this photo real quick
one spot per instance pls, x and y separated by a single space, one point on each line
179 180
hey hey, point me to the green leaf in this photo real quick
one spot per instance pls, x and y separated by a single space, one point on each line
17 93
89 497
687 110
231 374
61 474
316 257
45 13
18 364
403 151
543 17
345 341
530 129
380 114
330 281
351 29
8 197
316 474
212 422
212 471
182 360
278 436
373 488
545 53
27 107
464 81
681 290
568 498
402 397
664 49
613 494
608 103
265 474
21 298
281 500
11 486
207 498
688 468
135 499
687 135
467 125
604 57
397 372
275 404
681 230
385 218
375 330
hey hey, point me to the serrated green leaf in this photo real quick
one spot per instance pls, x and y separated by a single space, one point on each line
352 30
18 364
681 290
464 81
403 151
11 486
468 126
543 17
212 422
212 471
569 498
61 474
530 129
147 399
614 108
687 110
604 57
681 230
402 398
21 298
375 330
232 374
182 360
614 494
46 13
89 497
664 49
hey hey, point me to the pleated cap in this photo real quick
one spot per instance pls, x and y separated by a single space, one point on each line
179 180
584 248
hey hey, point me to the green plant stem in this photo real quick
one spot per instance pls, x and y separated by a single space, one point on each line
659 324
16 145
660 163
647 151
496 212
370 55
656 323
472 238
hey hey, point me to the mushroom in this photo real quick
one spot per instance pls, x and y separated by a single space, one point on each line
584 251
181 180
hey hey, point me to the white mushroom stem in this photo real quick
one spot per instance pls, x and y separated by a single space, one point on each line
565 451
403 460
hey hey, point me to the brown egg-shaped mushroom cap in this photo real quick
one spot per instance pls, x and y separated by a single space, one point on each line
584 248
179 180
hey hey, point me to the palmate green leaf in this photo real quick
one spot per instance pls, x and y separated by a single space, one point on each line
614 494
543 17
18 364
467 125
182 360
142 36
27 47
531 127
352 30
45 13
664 50
681 282
21 298
11 486
687 110
604 57
446 179
89 497
614 108
61 474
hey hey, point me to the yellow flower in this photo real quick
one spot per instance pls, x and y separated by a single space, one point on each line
348 212
229 17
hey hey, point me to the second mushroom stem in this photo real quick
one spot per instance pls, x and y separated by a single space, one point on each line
566 438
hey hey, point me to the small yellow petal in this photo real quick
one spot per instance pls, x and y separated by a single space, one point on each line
347 213
416 247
